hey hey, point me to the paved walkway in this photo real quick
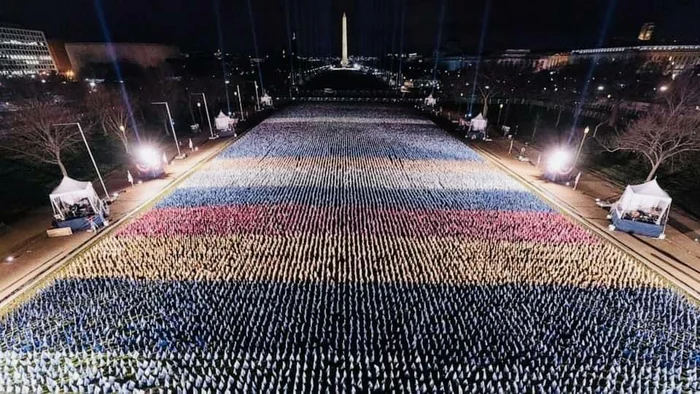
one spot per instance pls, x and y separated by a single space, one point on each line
35 253
677 257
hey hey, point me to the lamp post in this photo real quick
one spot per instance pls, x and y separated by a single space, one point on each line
500 109
580 147
172 126
459 107
257 98
199 108
206 109
82 134
228 101
122 128
240 100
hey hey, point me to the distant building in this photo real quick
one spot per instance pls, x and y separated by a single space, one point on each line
24 53
510 58
678 57
60 57
80 55
646 32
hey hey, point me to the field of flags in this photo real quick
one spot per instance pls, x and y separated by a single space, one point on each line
351 249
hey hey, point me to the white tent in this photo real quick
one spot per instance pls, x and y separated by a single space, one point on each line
478 124
642 209
71 192
266 100
224 122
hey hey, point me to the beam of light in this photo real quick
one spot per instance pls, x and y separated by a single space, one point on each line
296 31
393 37
223 55
587 84
403 26
117 70
289 48
438 42
484 26
255 45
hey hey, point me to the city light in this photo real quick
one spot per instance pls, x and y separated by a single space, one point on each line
559 160
663 88
601 87
149 156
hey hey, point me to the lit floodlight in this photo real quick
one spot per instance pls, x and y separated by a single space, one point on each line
663 88
10 259
601 87
149 156
558 161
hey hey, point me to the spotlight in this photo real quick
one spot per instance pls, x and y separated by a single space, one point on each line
148 156
558 161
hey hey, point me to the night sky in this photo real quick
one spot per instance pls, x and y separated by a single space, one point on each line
191 24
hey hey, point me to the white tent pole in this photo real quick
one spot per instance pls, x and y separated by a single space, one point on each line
87 146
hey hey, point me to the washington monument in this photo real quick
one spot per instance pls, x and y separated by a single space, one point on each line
344 61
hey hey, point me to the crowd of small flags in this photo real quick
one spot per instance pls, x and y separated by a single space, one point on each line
351 249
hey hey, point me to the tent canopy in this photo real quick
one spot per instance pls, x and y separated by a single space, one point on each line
651 189
70 192
70 185
479 123
266 100
223 121
646 201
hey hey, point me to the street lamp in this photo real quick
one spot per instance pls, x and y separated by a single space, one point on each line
122 128
206 109
199 108
459 110
172 126
580 147
228 101
240 100
500 109
257 98
82 134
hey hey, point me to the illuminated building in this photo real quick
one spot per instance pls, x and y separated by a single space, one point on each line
678 58
646 32
24 52
81 55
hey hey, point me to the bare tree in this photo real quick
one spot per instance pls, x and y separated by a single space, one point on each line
110 110
494 80
32 135
668 130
